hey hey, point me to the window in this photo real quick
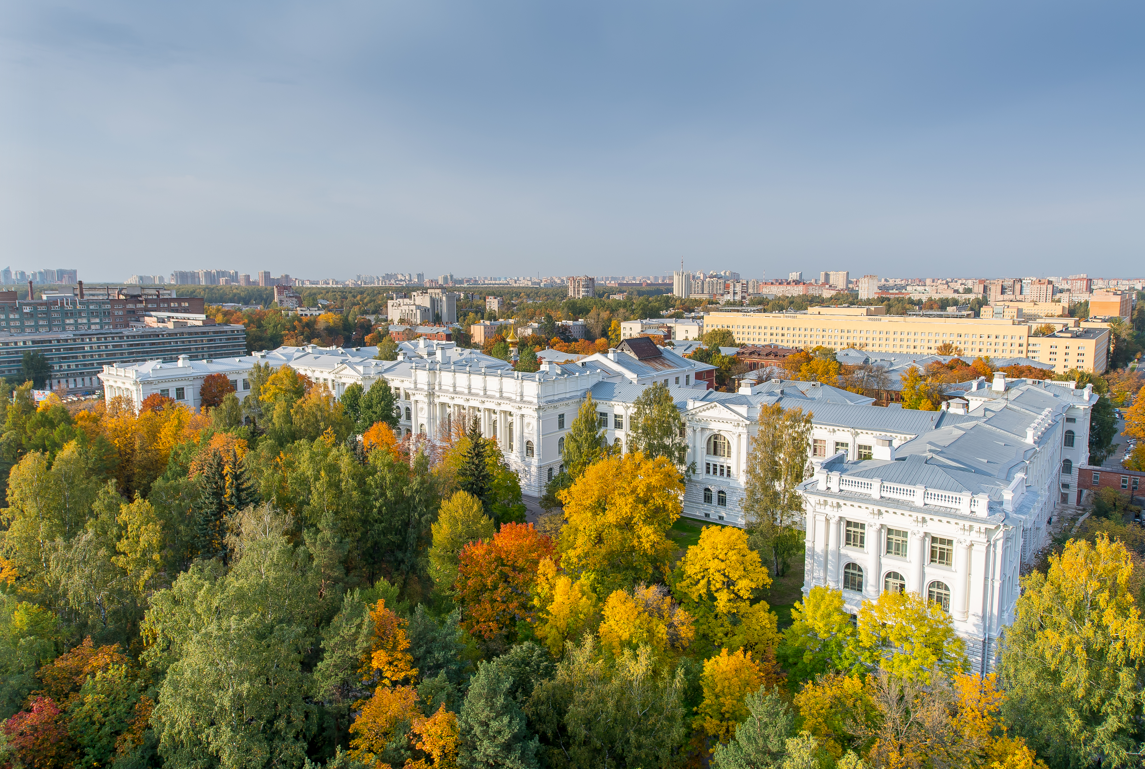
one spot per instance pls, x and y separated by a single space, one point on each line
616 443
1096 478
853 577
687 377
1069 439
942 551
718 446
602 420
246 384
818 448
561 447
707 496
677 380
528 448
1125 481
180 393
1070 420
1067 467
550 473
866 452
844 447
560 421
855 534
897 540
722 498
618 421
894 583
409 414
939 593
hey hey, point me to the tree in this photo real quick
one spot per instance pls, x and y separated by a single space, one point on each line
495 580
437 738
224 489
382 722
821 637
720 580
727 680
215 387
377 405
473 476
387 349
492 724
909 637
35 368
719 337
351 401
645 616
948 348
919 393
760 740
501 350
1135 417
338 676
380 436
617 519
29 638
836 708
614 334
1072 661
460 520
776 466
657 428
39 737
584 444
565 609
527 359
628 712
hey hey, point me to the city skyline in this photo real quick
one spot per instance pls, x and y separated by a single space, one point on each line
761 139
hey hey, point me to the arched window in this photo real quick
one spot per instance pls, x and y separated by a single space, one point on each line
939 593
853 577
421 429
721 498
616 442
1067 467
561 447
528 448
893 582
707 496
718 446
1069 438
409 415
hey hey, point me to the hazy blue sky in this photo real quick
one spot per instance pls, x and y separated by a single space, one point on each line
512 137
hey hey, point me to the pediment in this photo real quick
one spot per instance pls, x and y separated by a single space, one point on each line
716 411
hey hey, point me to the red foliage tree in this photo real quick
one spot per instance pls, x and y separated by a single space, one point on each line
215 388
38 737
495 580
155 403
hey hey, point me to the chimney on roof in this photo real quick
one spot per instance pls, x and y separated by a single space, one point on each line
31 295
884 448
611 352
80 284
999 384
184 360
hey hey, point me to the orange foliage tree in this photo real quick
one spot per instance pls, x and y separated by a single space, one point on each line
495 580
215 387
380 436
224 445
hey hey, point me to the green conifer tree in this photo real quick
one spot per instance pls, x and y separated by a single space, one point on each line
473 477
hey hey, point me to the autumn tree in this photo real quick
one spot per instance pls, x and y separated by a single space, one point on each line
776 466
657 428
821 637
378 404
948 348
645 616
584 444
1072 661
719 582
495 580
909 637
618 514
727 680
565 608
918 392
473 475
460 521
719 337
1135 417
215 387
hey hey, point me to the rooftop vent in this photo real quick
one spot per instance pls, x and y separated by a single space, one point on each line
999 384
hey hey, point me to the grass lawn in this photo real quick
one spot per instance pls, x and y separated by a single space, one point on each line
686 532
786 590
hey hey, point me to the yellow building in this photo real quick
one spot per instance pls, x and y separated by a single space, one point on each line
1110 304
1021 310
869 328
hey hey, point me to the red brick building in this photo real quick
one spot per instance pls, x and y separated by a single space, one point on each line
757 356
1089 478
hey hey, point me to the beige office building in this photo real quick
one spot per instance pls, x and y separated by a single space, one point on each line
870 328
1021 310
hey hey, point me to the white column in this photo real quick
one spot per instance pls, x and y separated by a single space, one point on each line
519 440
809 549
834 523
961 577
919 546
874 560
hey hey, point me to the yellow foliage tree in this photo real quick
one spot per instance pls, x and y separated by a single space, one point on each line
437 738
909 637
388 660
646 616
720 579
140 547
617 518
565 609
460 520
727 679
821 636
1135 417
834 708
285 384
378 721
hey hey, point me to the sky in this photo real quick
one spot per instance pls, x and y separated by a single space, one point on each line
506 137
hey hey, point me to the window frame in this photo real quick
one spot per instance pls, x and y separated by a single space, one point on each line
899 582
941 546
896 537
851 572
855 531
939 592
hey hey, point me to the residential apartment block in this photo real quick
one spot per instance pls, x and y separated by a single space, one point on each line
670 328
582 287
1111 304
870 328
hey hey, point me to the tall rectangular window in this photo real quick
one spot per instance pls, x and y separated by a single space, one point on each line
866 452
942 551
180 393
897 541
560 421
602 419
618 421
855 534
844 447
818 448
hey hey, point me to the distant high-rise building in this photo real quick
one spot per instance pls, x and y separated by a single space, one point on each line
264 278
6 275
797 276
838 279
681 284
868 286
67 277
824 278
582 287
1079 284
1041 291
244 279
185 278
421 278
